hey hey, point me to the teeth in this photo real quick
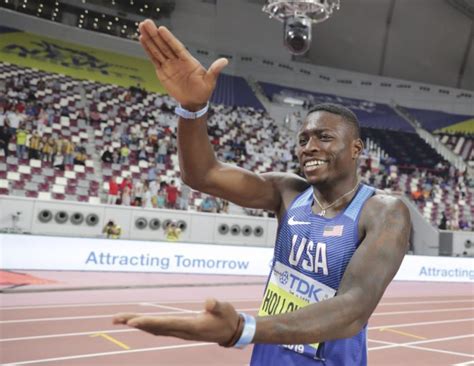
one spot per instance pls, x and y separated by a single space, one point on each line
314 163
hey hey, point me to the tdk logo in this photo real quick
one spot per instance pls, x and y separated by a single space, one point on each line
301 287
284 278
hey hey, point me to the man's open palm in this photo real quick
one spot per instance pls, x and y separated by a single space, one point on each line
183 77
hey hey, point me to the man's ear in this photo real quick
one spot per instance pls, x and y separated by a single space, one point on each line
357 148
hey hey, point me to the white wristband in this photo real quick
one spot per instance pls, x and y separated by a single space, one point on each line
250 325
180 111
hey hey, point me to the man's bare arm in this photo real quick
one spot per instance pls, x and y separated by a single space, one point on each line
191 85
374 264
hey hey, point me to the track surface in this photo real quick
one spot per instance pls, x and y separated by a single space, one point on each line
415 324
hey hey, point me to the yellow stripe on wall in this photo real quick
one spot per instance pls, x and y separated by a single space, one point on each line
77 61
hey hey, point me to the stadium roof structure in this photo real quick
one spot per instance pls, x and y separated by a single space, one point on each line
429 41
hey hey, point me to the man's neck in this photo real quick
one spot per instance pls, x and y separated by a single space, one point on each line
327 193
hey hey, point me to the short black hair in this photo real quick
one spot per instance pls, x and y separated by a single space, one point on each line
340 110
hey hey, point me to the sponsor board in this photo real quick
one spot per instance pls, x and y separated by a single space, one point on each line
56 253
85 254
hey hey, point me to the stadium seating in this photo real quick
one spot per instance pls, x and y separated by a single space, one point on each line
99 116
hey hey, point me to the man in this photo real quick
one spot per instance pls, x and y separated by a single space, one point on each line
340 237
112 230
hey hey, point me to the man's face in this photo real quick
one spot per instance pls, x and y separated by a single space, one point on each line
326 148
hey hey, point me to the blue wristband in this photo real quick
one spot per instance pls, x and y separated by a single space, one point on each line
250 325
180 111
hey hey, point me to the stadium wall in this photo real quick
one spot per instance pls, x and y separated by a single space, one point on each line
246 59
76 219
85 220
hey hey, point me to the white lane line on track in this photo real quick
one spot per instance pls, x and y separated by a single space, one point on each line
56 306
135 330
415 345
167 307
426 302
464 363
422 311
420 323
90 355
102 316
249 309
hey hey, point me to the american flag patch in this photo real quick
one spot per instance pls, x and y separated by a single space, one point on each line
333 230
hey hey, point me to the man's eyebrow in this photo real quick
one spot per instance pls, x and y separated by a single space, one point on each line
315 130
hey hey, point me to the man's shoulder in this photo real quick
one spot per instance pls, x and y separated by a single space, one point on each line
287 181
382 205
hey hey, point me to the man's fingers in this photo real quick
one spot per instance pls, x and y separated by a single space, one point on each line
149 30
123 318
167 326
174 44
216 68
152 57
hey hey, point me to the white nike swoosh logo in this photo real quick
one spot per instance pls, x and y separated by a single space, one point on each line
292 222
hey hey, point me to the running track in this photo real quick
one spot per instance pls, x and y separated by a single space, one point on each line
415 323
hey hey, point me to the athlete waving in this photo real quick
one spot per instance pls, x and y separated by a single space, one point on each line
339 242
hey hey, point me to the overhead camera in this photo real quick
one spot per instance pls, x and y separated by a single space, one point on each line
297 34
297 17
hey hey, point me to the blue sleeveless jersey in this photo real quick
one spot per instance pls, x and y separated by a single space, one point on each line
310 258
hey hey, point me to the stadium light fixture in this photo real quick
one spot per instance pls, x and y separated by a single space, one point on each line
298 17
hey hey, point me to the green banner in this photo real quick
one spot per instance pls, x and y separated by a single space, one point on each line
80 62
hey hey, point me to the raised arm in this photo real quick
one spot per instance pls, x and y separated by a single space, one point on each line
186 80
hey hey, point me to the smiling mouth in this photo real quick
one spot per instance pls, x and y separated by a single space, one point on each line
314 164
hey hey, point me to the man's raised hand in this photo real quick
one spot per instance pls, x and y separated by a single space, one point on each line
183 77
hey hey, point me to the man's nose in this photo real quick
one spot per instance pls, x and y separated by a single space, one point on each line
311 145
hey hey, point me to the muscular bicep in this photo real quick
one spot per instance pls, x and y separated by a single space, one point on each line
378 258
249 189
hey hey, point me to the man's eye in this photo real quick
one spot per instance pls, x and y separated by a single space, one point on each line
302 142
326 137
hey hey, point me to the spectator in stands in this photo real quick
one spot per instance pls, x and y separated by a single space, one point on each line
107 156
113 191
162 152
160 198
126 196
124 153
152 173
13 120
147 197
417 195
172 232
68 150
58 147
463 224
34 151
81 157
138 189
47 148
112 230
142 154
126 183
443 225
171 195
184 193
5 136
208 204
21 138
58 161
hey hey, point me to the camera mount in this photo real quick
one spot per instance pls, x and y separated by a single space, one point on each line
298 16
